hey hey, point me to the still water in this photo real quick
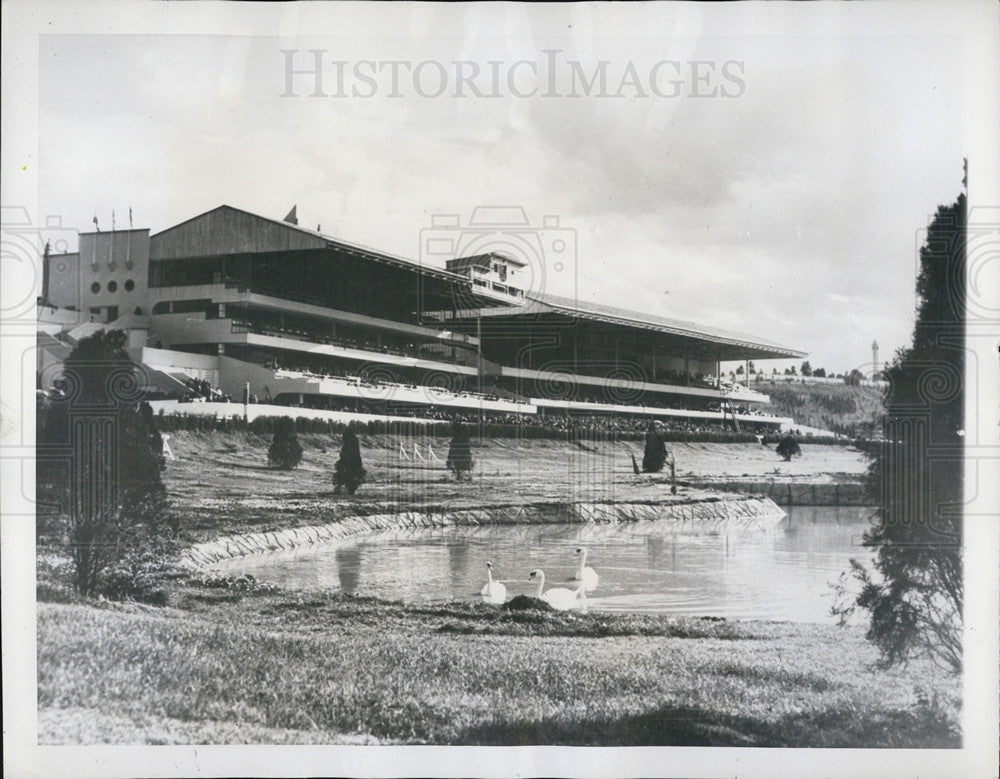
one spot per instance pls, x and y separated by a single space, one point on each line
782 573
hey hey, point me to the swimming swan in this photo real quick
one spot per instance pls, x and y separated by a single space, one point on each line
493 592
585 573
559 598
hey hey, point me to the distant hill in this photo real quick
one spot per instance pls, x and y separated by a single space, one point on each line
837 407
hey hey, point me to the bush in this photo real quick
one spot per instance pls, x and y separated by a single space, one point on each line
788 448
108 494
460 453
655 455
349 472
285 451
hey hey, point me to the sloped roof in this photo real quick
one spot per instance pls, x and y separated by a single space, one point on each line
580 309
230 230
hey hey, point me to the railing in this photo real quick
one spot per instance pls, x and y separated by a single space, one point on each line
366 381
240 326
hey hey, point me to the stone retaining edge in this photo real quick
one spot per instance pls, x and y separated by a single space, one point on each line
745 512
791 494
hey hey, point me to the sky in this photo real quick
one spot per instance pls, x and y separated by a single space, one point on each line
778 188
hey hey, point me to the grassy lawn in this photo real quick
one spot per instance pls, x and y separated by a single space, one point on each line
224 666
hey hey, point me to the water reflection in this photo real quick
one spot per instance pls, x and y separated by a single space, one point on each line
348 565
652 567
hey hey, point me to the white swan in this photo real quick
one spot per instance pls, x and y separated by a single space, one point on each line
559 598
493 592
585 573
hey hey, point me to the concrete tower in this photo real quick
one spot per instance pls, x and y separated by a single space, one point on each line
875 367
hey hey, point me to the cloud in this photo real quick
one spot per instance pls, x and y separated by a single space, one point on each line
789 212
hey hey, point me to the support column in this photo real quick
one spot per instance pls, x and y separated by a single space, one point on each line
479 364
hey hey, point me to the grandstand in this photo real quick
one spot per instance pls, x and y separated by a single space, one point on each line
233 306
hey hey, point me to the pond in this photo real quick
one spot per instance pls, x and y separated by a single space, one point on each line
783 573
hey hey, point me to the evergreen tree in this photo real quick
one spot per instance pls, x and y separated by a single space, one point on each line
285 451
106 500
349 473
915 593
655 455
460 453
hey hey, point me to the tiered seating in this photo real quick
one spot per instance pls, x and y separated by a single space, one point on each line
413 350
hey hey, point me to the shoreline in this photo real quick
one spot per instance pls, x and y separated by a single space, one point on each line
710 511
845 493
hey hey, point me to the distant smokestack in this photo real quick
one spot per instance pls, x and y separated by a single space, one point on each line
875 368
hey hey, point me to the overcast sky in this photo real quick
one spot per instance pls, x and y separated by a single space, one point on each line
786 206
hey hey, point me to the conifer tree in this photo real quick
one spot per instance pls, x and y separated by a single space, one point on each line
460 453
915 593
285 451
108 495
655 455
349 473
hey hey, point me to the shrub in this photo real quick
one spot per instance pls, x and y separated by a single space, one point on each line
349 472
285 451
788 447
108 493
460 453
655 455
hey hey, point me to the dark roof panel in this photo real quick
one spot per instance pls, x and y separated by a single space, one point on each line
229 230
580 309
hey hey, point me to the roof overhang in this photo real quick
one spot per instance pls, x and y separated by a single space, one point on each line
726 345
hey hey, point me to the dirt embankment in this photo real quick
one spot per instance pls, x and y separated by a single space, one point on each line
220 483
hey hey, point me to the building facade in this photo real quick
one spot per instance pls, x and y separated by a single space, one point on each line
265 308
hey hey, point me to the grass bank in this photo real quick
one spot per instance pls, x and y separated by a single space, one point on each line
219 483
222 664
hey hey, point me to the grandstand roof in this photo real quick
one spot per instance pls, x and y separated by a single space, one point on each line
709 342
227 229
579 309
